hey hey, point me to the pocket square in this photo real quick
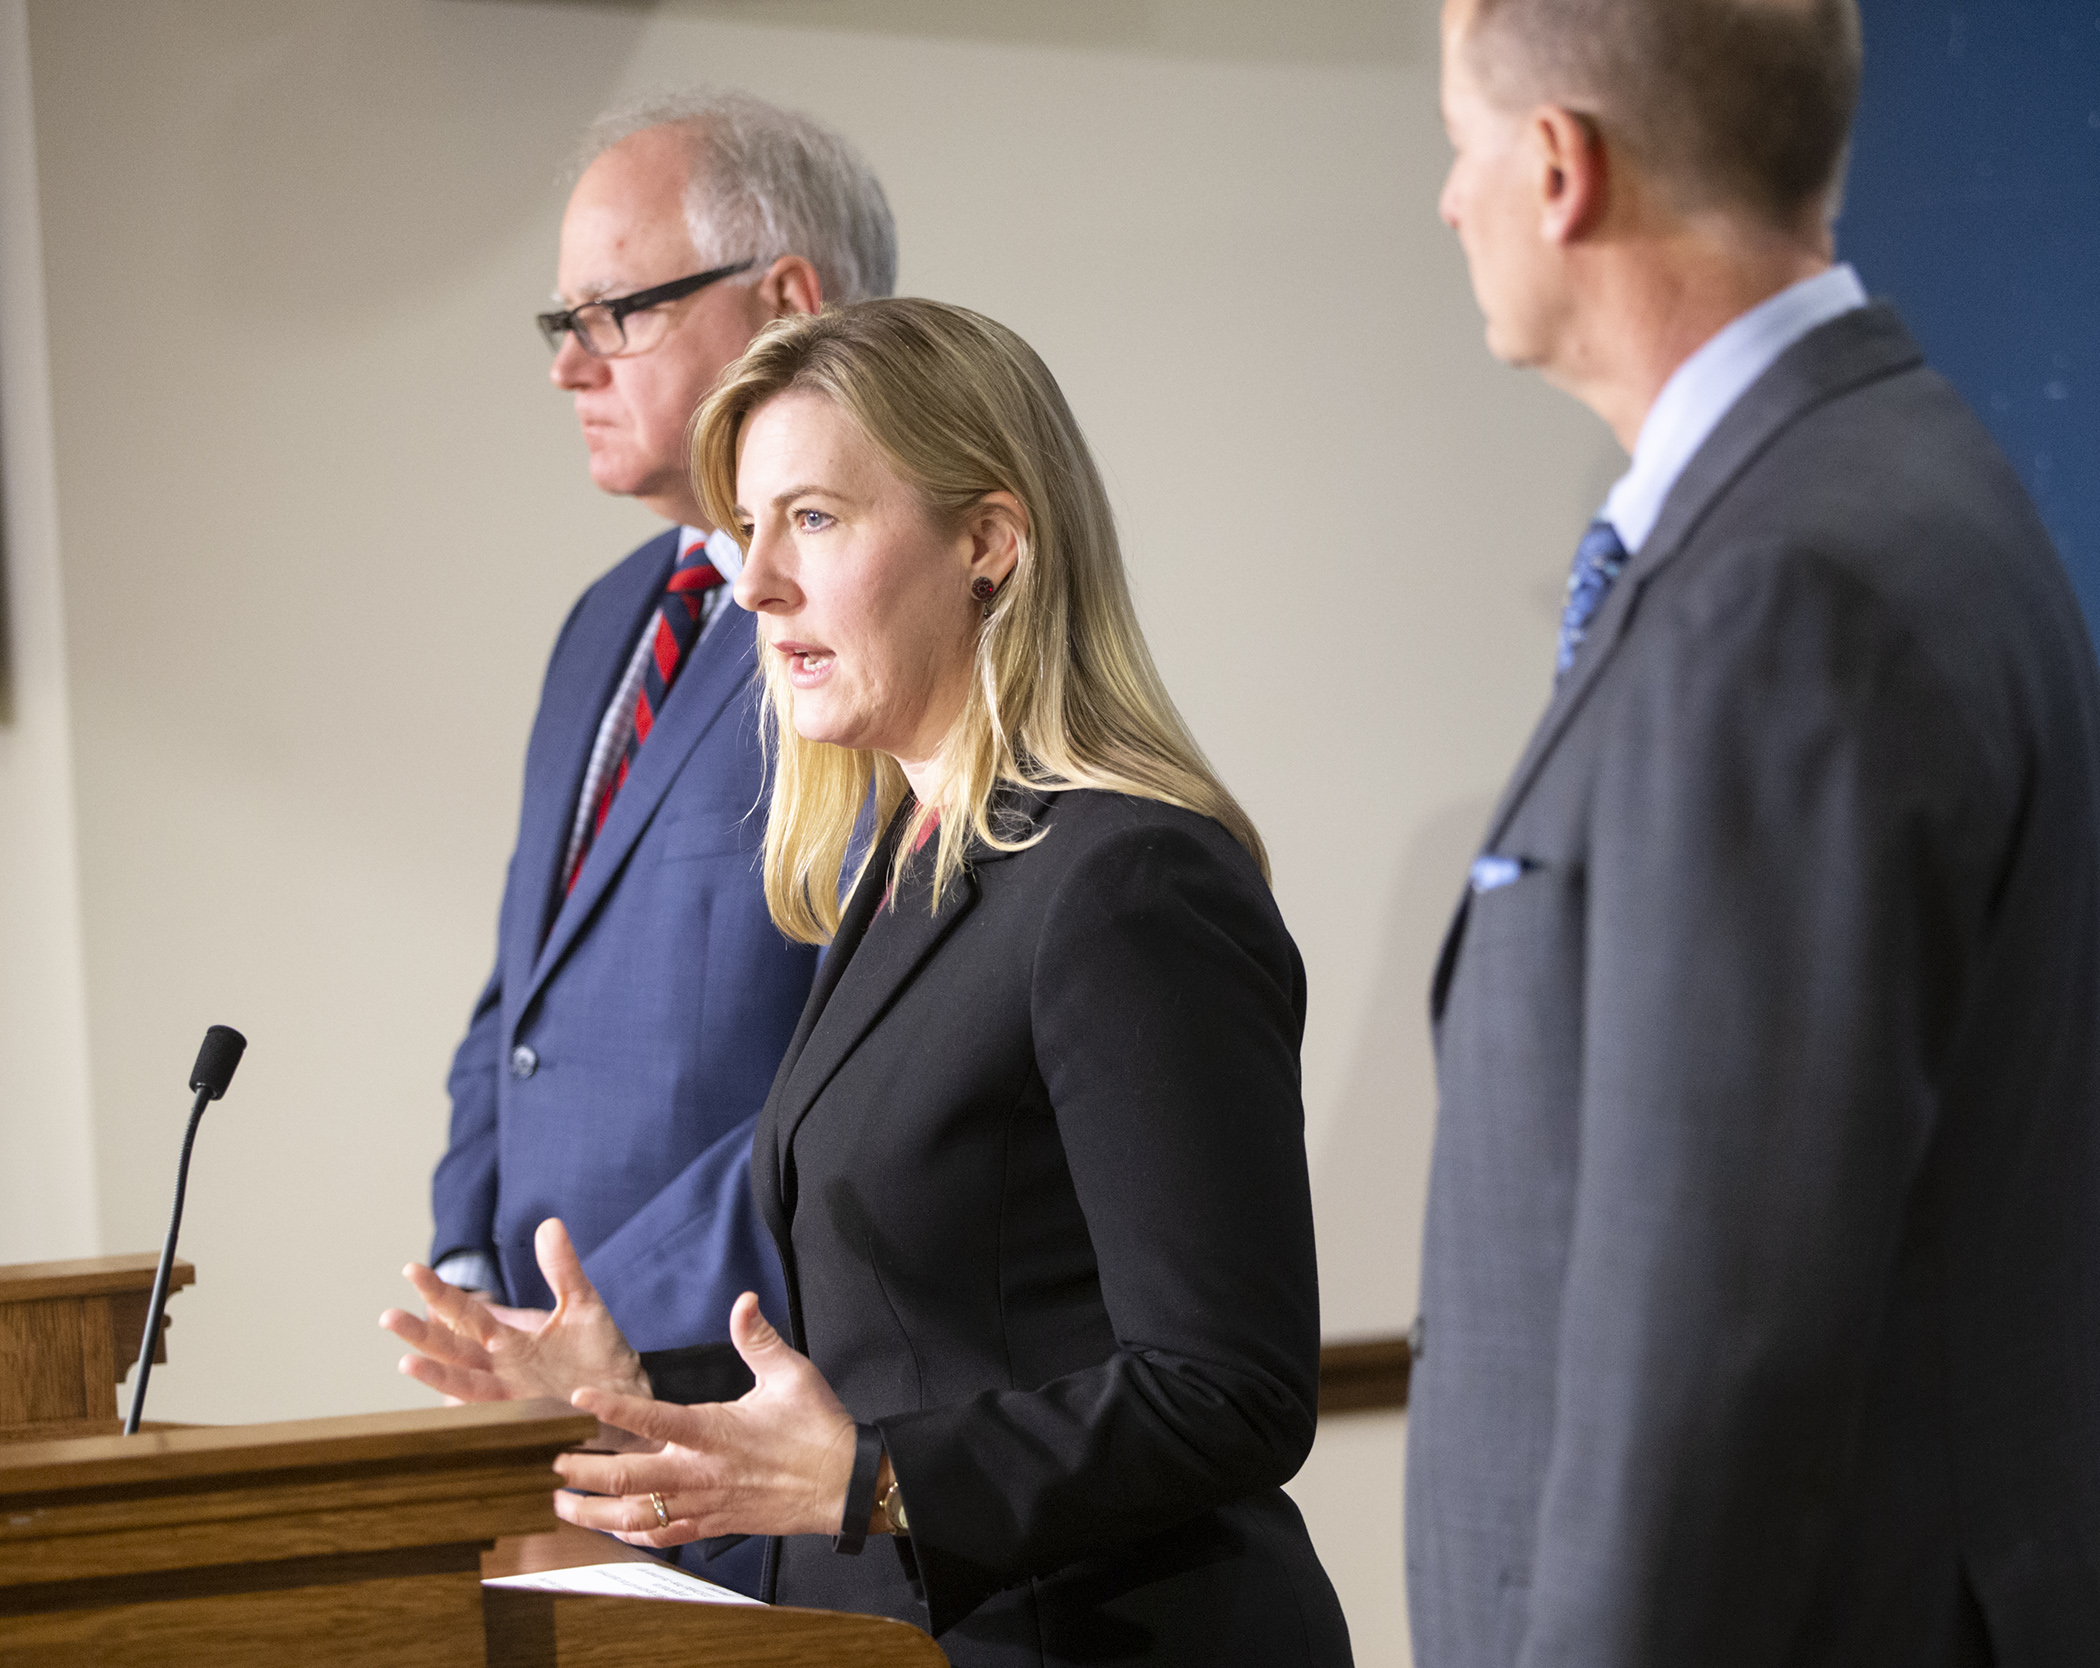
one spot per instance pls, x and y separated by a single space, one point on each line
1488 874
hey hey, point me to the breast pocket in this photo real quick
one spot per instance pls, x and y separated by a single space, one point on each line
1519 965
1509 1051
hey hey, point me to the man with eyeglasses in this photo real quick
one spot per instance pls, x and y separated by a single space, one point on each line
642 998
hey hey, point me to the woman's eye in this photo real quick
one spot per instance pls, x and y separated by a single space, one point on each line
748 529
811 521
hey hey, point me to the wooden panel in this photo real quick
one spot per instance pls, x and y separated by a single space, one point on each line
564 1547
282 1532
566 1630
68 1332
238 1450
314 1488
90 1277
419 1621
71 1430
152 1587
98 1356
62 1430
331 1541
40 1363
195 1498
127 1324
1364 1376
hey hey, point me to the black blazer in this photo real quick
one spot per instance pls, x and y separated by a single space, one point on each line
1036 1167
1761 1292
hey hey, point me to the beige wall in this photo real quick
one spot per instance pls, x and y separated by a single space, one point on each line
47 1189
287 575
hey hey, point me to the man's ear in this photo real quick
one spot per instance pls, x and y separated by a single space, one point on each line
790 286
997 526
1572 173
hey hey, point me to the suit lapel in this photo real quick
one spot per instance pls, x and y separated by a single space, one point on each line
856 985
1447 960
1856 348
853 927
571 710
707 689
1567 697
767 1143
895 942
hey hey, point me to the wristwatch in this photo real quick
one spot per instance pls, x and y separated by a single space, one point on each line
891 1505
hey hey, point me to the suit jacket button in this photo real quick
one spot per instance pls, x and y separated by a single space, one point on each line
523 1062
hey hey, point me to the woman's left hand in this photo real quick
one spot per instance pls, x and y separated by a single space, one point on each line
776 1462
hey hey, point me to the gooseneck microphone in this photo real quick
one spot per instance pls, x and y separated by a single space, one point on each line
213 1071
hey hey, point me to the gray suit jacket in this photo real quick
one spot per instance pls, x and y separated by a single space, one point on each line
1761 1291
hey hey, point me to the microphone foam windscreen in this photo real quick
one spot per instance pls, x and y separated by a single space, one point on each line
216 1059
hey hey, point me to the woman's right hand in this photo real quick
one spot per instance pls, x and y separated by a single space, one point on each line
776 1461
468 1353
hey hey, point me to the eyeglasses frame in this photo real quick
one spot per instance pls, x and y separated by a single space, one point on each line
554 326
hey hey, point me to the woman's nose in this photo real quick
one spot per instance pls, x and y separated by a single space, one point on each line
763 587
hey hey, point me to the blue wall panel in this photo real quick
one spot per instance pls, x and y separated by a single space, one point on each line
1974 205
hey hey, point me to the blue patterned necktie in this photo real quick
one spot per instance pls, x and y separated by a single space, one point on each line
1599 560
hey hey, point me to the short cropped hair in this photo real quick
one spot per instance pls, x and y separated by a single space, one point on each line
768 182
1743 104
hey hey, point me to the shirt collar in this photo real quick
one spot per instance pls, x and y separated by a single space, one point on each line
722 550
1703 389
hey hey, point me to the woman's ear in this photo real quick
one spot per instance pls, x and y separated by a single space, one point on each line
997 527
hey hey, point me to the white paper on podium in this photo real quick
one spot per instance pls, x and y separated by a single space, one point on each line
624 1580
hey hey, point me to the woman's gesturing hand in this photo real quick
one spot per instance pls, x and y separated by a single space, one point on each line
470 1351
776 1462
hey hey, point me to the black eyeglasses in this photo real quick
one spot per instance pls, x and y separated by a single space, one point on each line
601 326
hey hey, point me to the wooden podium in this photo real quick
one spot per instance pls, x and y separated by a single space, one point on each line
568 1630
68 1333
335 1542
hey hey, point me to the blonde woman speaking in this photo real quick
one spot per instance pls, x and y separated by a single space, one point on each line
1034 1161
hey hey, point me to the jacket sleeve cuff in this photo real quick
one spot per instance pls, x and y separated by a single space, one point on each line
860 1490
471 1271
946 1578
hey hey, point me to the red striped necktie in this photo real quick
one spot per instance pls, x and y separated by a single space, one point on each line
676 630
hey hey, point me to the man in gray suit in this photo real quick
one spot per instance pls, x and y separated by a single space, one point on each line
1761 1292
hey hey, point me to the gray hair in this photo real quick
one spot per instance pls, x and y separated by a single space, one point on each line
768 182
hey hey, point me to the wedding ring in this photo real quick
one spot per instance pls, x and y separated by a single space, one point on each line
663 1518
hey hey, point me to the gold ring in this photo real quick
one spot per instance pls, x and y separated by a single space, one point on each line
663 1518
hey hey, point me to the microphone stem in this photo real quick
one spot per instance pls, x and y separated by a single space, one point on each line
158 1304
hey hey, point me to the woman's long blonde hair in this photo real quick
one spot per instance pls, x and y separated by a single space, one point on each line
1064 694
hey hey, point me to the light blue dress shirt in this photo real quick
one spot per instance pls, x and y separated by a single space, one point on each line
1704 388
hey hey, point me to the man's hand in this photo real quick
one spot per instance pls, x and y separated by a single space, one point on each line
470 1351
525 1320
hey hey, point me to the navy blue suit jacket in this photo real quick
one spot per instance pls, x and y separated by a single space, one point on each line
625 1043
